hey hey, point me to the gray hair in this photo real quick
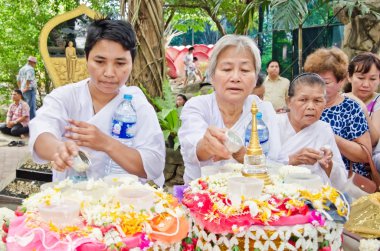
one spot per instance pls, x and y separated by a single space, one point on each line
238 41
307 78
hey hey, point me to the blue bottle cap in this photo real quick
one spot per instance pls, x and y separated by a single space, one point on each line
128 96
259 115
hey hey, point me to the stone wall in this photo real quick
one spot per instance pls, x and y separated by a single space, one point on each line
174 168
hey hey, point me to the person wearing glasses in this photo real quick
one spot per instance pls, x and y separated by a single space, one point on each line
345 115
305 140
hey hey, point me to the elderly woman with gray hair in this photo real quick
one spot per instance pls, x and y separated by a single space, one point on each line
305 140
233 68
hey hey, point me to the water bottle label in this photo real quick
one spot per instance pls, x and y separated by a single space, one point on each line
123 130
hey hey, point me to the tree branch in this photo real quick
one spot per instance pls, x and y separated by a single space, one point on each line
172 12
216 20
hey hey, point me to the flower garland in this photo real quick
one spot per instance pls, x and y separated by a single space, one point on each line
105 221
280 204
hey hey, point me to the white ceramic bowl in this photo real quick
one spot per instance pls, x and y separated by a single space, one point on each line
64 214
138 197
233 142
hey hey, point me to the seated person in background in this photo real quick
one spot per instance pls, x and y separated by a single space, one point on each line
17 116
80 114
259 89
180 100
305 139
233 67
345 115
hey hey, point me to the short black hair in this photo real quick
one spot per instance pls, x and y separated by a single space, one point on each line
274 60
119 31
18 91
191 48
260 80
195 58
182 96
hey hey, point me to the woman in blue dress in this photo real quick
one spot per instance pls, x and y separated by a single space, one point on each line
345 115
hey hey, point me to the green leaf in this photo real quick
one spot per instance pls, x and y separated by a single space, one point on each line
176 143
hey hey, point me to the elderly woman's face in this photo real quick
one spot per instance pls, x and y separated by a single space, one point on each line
235 75
306 106
365 84
333 86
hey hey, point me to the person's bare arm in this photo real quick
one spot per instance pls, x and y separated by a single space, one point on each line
211 145
27 86
48 147
88 135
352 150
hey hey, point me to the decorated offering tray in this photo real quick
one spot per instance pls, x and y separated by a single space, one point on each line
281 216
115 214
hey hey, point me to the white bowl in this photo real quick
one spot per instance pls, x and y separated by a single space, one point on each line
64 214
312 182
119 179
139 198
233 142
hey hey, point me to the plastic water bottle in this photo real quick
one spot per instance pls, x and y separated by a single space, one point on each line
262 131
123 129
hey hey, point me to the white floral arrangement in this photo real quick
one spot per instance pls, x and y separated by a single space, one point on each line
369 245
114 216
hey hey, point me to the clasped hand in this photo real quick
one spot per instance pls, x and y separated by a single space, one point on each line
309 156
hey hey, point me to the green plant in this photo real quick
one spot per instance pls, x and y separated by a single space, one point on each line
167 114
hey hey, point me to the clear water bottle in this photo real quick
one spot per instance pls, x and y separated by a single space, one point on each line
123 129
262 131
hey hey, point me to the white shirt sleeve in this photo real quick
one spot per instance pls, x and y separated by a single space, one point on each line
51 118
149 140
193 127
339 174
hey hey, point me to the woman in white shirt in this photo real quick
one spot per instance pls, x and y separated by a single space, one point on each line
80 114
305 140
233 69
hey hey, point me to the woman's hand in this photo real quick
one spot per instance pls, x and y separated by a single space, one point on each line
88 135
63 158
211 146
326 161
305 156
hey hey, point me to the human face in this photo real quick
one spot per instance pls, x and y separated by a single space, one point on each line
273 70
179 101
259 91
332 85
306 106
365 84
109 66
235 75
16 97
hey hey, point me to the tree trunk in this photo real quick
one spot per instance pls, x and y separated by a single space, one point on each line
146 16
300 48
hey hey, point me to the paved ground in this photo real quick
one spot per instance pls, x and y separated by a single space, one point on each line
10 159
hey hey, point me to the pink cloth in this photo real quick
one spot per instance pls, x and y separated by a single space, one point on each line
20 237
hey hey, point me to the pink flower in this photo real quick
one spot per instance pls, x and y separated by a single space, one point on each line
316 218
325 249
